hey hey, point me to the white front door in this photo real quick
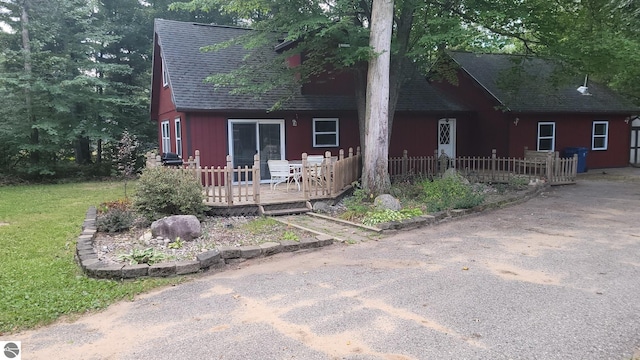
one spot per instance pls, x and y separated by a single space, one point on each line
447 137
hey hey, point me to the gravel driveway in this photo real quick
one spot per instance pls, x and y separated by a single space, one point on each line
557 277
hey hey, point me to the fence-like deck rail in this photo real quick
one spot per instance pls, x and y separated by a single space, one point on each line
228 186
546 166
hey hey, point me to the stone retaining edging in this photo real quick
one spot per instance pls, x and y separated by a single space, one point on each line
212 259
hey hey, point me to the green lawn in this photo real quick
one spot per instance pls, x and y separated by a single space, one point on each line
39 278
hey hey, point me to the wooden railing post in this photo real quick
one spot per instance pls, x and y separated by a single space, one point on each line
404 168
327 171
549 168
197 159
255 176
494 161
228 172
305 178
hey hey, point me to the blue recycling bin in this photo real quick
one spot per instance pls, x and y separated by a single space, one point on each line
582 156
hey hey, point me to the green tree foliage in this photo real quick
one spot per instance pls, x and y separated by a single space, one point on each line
73 75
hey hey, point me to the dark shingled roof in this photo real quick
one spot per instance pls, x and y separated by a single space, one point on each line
187 67
530 84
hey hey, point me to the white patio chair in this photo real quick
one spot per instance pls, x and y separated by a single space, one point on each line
281 172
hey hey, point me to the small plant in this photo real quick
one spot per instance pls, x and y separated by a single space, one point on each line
115 220
162 191
387 215
290 235
120 204
127 156
518 182
147 256
358 204
177 244
450 193
261 225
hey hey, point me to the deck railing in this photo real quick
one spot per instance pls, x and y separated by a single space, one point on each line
549 167
228 185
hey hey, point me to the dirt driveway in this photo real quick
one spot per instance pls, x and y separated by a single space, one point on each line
557 277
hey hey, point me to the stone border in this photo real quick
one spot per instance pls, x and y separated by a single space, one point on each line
426 220
209 260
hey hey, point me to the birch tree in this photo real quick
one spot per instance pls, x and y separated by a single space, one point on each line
375 176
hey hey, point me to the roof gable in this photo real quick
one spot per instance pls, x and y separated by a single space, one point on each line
530 84
187 66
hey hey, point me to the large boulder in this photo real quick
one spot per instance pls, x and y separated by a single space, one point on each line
186 227
386 201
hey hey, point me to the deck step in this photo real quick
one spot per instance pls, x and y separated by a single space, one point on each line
281 212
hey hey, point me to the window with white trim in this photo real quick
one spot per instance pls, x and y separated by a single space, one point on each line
165 76
166 136
600 135
325 132
546 136
178 137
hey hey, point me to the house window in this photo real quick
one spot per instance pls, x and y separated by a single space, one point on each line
546 136
178 137
165 76
325 132
599 140
166 137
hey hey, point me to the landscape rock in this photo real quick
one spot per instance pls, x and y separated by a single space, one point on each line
386 201
185 227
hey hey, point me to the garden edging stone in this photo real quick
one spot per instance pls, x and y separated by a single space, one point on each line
213 259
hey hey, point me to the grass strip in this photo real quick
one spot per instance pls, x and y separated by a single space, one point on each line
39 278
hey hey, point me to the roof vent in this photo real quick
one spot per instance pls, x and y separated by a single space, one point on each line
584 90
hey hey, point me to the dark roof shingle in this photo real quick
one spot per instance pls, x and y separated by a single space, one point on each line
531 84
187 67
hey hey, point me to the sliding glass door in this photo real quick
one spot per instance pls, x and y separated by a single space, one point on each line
250 137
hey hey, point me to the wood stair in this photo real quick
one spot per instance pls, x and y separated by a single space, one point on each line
283 209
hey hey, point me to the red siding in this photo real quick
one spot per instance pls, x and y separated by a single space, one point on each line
490 130
575 130
495 128
207 133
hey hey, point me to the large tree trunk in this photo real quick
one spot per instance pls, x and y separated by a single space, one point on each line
397 72
375 173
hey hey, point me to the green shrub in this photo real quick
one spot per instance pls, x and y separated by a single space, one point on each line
450 193
162 191
358 204
115 220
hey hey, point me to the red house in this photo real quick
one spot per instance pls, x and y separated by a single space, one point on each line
192 115
523 101
469 118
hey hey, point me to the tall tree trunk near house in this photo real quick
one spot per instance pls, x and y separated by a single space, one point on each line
360 78
399 61
34 137
375 173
